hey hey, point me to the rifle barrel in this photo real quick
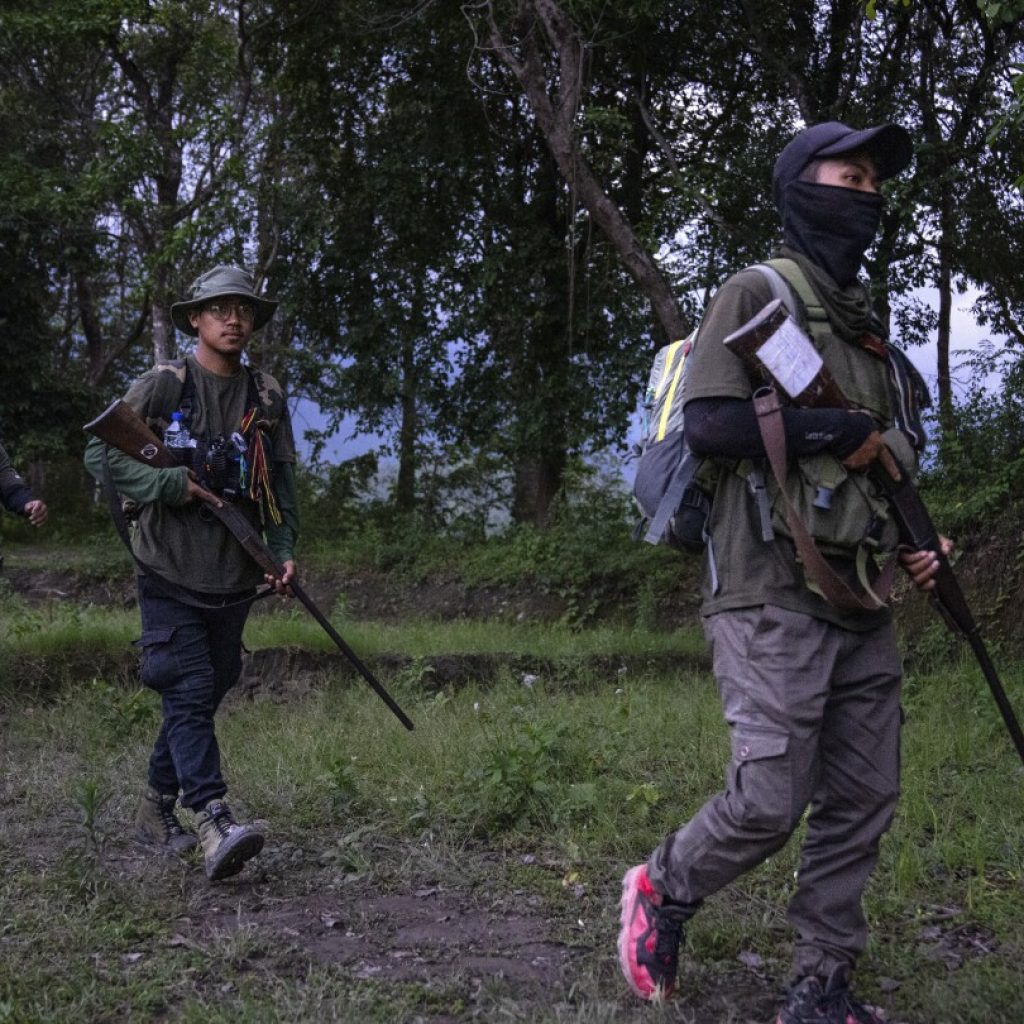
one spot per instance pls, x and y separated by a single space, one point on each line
355 660
988 670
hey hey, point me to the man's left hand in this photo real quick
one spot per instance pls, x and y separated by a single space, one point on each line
280 583
922 566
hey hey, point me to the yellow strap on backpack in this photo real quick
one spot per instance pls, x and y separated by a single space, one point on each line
675 348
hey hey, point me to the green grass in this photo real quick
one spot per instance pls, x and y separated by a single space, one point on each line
542 793
97 557
55 628
587 562
421 638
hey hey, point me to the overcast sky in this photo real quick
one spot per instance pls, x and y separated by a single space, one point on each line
967 334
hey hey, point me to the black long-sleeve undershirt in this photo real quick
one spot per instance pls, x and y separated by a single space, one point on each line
727 428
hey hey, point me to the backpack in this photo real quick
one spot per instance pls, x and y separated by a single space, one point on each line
672 485
671 502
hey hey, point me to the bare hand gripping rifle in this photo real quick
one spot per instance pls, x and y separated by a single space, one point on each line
776 350
122 428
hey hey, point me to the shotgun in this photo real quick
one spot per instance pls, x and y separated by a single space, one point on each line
776 350
122 428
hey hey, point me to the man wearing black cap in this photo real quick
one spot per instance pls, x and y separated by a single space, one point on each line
196 583
810 691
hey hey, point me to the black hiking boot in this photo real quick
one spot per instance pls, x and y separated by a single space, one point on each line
157 824
814 1000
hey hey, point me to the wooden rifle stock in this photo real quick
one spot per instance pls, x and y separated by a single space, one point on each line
122 428
917 532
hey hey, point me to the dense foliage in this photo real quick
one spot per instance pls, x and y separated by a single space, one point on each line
482 218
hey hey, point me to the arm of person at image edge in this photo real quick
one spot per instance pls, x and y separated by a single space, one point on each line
15 494
282 537
720 417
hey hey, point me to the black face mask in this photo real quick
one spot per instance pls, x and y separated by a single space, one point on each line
833 226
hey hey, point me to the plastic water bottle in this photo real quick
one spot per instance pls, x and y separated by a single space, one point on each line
177 435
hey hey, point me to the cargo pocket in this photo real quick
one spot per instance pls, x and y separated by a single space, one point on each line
761 787
159 663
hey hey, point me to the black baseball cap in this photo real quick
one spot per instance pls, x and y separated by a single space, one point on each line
889 145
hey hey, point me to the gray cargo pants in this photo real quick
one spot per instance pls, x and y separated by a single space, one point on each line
814 716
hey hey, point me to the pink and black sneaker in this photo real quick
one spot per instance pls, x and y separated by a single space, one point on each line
649 937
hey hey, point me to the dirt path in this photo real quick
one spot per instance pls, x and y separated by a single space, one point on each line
449 927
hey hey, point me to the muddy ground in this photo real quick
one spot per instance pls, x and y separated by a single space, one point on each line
451 924
370 909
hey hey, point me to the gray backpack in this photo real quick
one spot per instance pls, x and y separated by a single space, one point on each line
672 503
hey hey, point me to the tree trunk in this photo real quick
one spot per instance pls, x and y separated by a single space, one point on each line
538 480
947 413
556 120
165 345
405 485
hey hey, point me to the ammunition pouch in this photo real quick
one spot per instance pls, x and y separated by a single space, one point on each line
843 511
216 465
688 530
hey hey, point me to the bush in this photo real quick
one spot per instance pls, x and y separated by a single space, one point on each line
979 472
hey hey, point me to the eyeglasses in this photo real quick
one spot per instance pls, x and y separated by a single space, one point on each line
222 310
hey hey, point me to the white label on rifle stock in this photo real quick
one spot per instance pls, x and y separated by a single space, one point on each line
790 358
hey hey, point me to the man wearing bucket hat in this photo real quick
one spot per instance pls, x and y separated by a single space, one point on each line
810 691
196 583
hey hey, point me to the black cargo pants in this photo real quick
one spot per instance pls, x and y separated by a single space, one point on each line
191 656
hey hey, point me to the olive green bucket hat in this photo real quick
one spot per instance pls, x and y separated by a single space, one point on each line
220 283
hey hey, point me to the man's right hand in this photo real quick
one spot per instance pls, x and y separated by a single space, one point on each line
922 566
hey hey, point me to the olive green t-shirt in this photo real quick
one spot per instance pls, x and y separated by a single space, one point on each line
185 543
750 570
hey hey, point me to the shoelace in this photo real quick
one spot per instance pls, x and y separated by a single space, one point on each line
668 929
222 820
840 1006
167 816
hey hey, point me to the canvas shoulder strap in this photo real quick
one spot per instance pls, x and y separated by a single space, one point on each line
808 308
176 390
171 384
